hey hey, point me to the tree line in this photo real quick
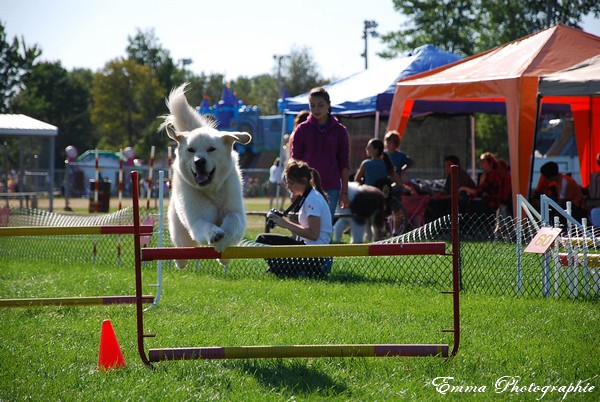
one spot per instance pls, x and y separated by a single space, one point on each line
118 105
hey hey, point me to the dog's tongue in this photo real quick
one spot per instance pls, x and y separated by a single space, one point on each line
202 178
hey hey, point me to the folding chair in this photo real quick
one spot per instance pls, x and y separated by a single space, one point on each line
415 206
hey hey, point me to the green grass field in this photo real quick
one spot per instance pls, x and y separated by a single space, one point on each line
513 349
50 353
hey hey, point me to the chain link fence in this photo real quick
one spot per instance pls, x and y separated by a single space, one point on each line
491 263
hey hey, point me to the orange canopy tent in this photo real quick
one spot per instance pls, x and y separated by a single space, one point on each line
581 85
508 74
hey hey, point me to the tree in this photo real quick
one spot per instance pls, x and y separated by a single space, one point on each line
490 129
145 48
16 59
242 87
511 19
471 26
125 111
262 92
447 23
60 98
206 86
300 73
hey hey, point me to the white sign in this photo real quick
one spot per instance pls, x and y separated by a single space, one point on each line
542 240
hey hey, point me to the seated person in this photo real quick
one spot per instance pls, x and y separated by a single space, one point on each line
489 194
506 209
561 188
439 204
378 170
400 160
594 187
314 223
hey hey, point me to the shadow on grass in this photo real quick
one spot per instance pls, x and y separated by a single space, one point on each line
347 277
293 377
353 277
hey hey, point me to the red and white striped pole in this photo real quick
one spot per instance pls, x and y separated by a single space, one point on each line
97 183
96 191
151 168
120 185
120 194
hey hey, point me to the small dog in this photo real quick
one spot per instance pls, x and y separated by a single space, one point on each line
206 205
367 206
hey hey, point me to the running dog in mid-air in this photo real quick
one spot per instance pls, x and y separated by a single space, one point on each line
206 205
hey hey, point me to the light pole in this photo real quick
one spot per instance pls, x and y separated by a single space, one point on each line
185 62
369 29
278 59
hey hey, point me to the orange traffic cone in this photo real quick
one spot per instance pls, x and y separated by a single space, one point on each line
110 355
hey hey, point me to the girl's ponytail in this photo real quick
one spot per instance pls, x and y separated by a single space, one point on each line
316 183
388 163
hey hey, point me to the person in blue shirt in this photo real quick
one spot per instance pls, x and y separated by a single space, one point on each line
400 160
378 170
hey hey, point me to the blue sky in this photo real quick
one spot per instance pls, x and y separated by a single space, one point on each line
232 37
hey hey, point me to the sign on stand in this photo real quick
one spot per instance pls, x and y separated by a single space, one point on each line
542 240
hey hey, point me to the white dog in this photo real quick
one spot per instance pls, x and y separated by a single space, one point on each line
367 206
206 205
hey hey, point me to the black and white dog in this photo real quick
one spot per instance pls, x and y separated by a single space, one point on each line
367 207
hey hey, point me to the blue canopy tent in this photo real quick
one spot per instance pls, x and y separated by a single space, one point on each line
371 91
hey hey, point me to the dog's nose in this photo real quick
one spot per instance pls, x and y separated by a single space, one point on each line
200 163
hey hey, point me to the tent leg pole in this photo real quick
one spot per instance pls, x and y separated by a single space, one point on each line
538 113
473 158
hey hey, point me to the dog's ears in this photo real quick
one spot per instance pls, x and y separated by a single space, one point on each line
241 137
173 134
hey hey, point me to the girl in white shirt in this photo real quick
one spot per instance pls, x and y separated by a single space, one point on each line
314 221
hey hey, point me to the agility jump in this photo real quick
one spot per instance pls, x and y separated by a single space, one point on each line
71 230
320 250
74 230
295 351
72 301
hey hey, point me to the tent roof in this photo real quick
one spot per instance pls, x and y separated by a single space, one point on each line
582 79
91 154
21 125
534 55
363 92
507 74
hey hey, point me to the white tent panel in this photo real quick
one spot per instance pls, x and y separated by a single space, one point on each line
19 124
582 79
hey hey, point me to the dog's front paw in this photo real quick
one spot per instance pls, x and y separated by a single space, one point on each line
217 235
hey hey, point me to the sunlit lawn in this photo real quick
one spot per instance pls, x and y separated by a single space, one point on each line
50 353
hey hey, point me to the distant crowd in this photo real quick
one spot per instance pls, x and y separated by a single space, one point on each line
321 141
